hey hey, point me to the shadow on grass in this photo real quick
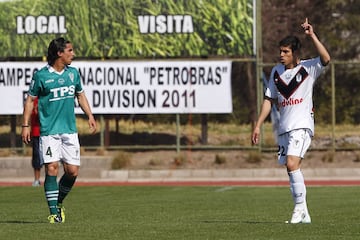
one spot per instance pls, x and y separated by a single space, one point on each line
19 222
241 221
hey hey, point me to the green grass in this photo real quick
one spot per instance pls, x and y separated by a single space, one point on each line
180 213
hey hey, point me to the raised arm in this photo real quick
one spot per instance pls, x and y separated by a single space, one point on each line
323 53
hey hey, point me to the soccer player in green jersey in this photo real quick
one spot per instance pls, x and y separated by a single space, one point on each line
56 86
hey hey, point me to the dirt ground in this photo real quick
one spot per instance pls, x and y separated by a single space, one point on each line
233 159
211 159
226 159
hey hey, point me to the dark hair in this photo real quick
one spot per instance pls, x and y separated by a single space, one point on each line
55 46
291 41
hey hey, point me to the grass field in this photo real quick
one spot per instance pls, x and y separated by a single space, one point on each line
136 212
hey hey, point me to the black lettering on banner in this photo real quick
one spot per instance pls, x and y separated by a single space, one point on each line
202 76
2 77
152 75
160 76
98 78
192 96
111 76
218 75
29 74
126 97
176 99
123 98
96 98
185 75
210 77
176 73
16 76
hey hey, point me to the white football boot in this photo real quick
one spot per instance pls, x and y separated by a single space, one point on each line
300 215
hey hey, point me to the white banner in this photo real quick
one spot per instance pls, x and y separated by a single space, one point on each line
131 87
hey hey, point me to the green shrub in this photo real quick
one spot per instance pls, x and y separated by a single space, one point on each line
254 157
328 157
154 162
121 160
220 159
179 160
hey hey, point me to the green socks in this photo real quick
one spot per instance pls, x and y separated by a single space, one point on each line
51 193
55 193
65 184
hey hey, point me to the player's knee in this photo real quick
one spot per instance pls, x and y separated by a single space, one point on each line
292 163
52 169
72 174
71 171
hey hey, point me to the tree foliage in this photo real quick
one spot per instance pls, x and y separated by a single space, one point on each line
336 22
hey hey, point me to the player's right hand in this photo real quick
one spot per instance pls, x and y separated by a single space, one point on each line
25 134
255 135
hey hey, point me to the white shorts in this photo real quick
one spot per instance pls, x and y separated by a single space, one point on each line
60 147
294 143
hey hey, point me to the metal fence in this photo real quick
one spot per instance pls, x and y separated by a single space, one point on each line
336 121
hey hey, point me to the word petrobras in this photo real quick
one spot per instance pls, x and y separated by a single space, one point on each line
186 75
40 25
165 24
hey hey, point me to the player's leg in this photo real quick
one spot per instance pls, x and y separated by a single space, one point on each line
49 149
51 186
71 163
299 142
36 161
36 182
67 181
298 190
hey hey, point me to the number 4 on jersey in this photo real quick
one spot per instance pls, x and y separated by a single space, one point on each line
48 152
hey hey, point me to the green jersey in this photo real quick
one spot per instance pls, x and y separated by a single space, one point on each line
56 93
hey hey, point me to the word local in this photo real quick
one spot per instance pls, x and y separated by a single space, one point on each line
40 24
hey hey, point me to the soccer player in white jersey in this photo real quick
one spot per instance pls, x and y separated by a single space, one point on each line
56 86
291 88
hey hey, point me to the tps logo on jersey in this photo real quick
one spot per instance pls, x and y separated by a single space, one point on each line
62 92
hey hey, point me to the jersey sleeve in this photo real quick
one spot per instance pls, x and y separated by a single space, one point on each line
314 66
35 85
271 91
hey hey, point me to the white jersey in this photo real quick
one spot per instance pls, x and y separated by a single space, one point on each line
293 89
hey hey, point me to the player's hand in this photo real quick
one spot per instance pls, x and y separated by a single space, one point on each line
92 124
307 27
255 135
25 135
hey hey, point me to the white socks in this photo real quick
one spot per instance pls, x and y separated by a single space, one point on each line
298 191
297 187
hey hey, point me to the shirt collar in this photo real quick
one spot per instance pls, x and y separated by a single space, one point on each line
52 70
